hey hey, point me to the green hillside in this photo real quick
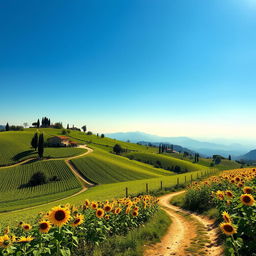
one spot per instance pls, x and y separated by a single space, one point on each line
13 191
165 162
15 147
102 167
224 165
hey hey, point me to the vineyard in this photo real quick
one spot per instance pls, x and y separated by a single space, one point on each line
13 191
101 168
166 162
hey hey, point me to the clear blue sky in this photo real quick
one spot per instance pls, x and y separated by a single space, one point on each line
165 67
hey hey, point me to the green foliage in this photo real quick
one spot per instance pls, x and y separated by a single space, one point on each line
41 145
34 141
117 149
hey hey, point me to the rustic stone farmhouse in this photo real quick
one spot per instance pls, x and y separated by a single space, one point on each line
60 141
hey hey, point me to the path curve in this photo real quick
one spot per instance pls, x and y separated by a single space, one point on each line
85 184
182 231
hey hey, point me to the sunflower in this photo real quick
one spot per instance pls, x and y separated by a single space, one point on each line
247 199
229 193
94 205
118 210
127 211
220 194
227 228
5 241
59 216
248 190
87 203
107 217
7 230
24 239
79 219
44 226
226 217
135 213
136 208
26 227
107 207
100 213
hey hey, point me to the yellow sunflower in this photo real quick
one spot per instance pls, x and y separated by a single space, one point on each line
118 210
135 213
5 241
220 194
247 199
229 193
24 239
107 207
7 230
94 205
107 217
59 216
228 228
127 211
248 190
100 213
44 226
79 219
26 227
226 217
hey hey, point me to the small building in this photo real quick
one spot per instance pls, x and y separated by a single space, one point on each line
58 141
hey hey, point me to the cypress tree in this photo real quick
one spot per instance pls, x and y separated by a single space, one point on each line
34 141
41 145
38 123
7 127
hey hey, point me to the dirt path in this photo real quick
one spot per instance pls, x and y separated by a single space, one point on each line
182 231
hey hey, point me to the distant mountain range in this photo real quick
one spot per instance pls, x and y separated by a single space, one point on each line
250 156
206 148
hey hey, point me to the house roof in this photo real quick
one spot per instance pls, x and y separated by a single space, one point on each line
60 137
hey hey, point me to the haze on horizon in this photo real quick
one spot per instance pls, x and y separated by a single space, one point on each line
170 68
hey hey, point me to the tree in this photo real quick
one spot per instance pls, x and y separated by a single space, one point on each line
68 126
37 178
102 135
7 127
84 128
25 125
41 145
117 149
38 123
34 141
89 133
229 157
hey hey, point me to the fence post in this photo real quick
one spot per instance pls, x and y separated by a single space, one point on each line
147 188
126 192
161 185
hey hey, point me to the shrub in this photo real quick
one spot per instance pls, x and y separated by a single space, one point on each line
37 178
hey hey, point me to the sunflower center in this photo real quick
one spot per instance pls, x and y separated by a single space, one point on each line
228 228
43 226
247 199
76 221
60 215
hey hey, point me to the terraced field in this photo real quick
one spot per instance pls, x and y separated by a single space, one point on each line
166 162
13 191
102 168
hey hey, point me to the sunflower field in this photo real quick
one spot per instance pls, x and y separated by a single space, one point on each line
233 193
70 230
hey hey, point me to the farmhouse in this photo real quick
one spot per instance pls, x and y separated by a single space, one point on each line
60 141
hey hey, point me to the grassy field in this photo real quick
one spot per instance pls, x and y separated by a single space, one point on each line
15 147
102 167
102 192
165 162
15 195
224 165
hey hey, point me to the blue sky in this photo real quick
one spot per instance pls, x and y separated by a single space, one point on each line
171 68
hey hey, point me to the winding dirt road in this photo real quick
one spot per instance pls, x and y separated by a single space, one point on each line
182 231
